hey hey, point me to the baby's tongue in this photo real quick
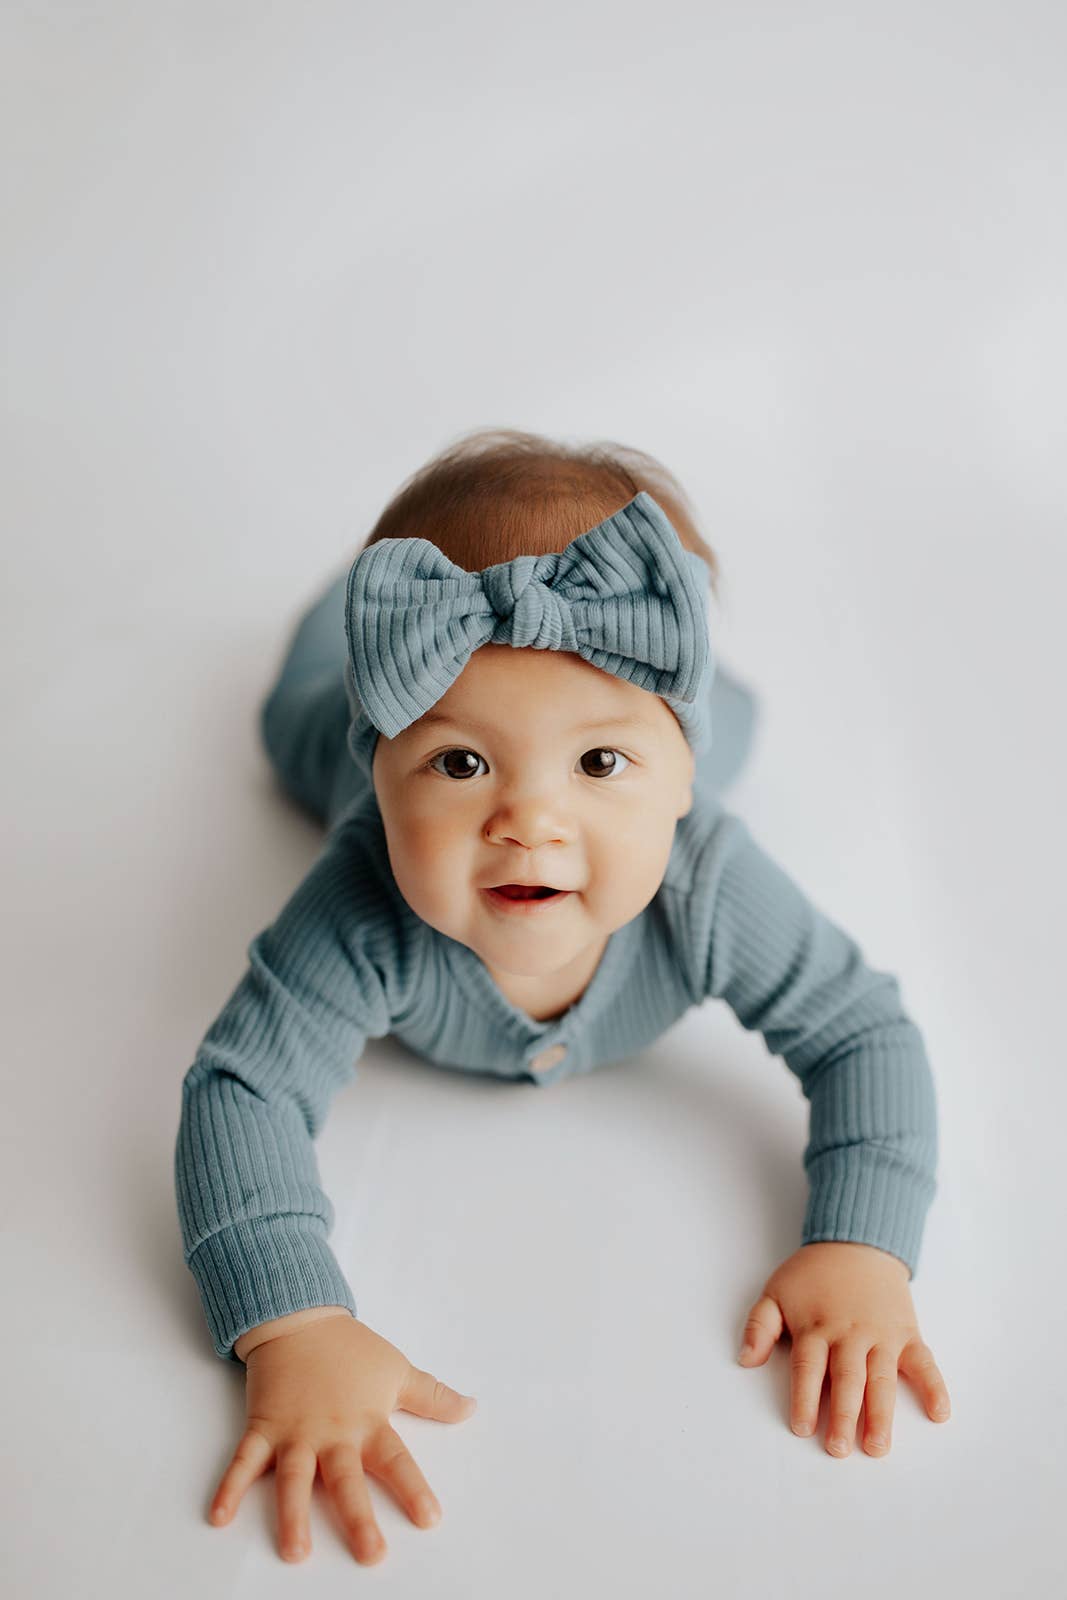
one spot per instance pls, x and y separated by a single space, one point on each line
522 891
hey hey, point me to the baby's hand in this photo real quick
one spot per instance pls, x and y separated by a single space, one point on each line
849 1302
322 1395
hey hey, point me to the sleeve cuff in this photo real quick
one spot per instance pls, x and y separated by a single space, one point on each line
860 1193
263 1268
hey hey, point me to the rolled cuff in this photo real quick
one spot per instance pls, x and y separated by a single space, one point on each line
264 1268
862 1194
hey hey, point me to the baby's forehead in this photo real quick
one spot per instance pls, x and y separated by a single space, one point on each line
501 684
493 662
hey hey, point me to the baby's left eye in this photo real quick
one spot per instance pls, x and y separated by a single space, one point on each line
612 757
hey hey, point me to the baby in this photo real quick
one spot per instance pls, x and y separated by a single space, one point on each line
508 715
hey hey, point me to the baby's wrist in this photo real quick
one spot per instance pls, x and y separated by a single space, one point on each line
277 1326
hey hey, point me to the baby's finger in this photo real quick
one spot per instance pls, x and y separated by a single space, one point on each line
848 1379
762 1331
342 1473
250 1460
427 1396
294 1475
918 1364
389 1458
807 1367
879 1400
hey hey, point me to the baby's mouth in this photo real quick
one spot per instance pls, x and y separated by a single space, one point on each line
525 900
525 891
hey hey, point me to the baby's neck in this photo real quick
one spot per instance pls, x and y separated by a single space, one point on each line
549 997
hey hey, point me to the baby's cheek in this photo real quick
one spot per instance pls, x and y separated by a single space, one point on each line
429 843
631 870
436 905
420 866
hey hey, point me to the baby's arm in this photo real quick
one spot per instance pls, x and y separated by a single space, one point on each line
321 1385
790 971
787 969
253 1216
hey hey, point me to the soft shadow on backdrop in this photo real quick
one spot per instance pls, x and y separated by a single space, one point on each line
260 263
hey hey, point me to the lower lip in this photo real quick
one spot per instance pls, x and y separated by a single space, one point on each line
526 908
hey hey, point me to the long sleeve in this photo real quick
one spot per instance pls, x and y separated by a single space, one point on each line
254 1219
788 970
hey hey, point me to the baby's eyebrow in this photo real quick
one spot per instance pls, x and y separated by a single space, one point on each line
432 718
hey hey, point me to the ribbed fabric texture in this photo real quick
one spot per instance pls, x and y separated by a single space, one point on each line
347 960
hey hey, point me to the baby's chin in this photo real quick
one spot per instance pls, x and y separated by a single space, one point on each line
526 954
526 947
519 966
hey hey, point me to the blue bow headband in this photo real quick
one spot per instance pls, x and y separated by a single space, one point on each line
626 596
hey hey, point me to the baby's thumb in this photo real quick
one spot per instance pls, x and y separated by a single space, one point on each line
427 1396
762 1330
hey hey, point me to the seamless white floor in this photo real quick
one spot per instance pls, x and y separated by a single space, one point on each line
260 263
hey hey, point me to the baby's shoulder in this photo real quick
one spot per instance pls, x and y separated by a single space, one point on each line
706 839
707 829
369 900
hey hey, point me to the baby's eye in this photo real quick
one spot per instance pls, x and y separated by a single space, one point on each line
613 756
464 763
464 766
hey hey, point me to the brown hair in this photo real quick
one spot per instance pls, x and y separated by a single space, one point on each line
497 493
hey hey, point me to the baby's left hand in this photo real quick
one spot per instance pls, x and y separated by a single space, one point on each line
849 1303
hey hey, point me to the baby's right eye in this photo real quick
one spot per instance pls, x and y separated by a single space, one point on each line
446 755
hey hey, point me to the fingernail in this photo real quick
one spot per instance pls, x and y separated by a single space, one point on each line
746 1350
839 1446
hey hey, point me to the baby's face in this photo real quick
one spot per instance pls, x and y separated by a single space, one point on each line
534 767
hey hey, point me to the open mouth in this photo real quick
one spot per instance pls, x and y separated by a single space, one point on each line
525 899
525 891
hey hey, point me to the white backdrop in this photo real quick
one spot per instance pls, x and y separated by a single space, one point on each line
260 262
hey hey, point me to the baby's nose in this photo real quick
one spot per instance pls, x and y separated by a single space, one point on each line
529 839
531 822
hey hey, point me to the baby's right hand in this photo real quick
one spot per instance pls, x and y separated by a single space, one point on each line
323 1394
